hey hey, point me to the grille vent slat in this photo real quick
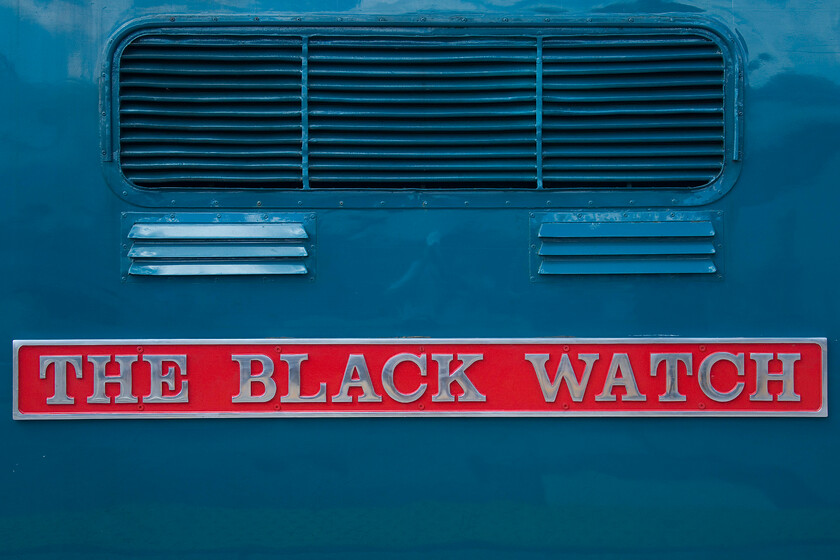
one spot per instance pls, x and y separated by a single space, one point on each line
631 109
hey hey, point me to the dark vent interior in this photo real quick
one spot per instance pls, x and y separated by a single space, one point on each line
639 109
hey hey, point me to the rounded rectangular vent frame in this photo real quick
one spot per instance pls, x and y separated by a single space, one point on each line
281 114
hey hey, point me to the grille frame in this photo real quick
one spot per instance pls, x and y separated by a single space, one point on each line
474 195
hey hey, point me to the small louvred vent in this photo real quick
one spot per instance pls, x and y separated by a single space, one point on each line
204 245
632 111
612 244
423 111
211 111
396 108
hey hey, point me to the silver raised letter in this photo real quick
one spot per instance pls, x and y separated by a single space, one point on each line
672 364
704 375
459 376
763 377
161 378
294 396
620 364
356 363
60 375
247 379
564 372
100 379
388 377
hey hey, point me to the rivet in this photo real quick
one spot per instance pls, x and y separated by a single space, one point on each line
340 19
276 407
300 202
421 406
215 19
311 278
277 348
673 214
259 203
103 113
125 246
589 20
382 203
565 406
531 214
702 348
505 20
533 246
312 216
422 19
632 201
382 19
507 202
547 19
701 406
265 216
172 19
139 407
580 215
124 214
297 19
256 19
565 347
139 348
425 204
123 278
103 152
103 74
341 203
125 193
548 202
466 203
172 202
218 215
630 20
591 203
172 216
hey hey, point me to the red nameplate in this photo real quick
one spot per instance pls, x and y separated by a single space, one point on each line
417 377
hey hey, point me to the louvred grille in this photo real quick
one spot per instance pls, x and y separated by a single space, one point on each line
636 109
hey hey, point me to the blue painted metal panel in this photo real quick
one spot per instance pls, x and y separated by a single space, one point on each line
393 266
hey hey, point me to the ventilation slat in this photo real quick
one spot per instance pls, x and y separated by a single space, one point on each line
216 269
215 251
628 266
223 137
652 81
624 247
217 231
631 150
627 229
635 123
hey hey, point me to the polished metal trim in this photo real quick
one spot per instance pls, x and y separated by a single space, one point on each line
822 342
